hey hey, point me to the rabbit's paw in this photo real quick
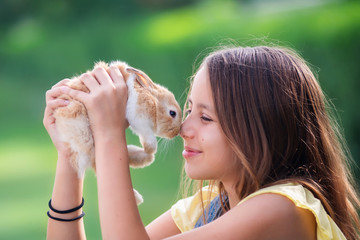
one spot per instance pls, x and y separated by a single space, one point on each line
138 158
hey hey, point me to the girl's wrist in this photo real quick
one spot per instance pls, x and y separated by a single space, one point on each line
111 144
64 154
64 166
68 187
109 135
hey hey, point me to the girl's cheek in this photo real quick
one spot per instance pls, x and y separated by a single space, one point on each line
212 136
205 134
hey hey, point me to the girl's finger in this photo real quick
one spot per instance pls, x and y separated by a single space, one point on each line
102 76
50 108
48 117
53 93
61 83
116 75
56 103
75 94
90 81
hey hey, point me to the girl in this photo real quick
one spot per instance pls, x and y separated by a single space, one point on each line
256 129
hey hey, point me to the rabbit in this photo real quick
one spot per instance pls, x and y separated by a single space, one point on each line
151 111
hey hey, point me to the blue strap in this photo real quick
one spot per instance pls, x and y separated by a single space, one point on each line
213 211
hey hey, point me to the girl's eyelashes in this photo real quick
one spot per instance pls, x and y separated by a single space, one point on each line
206 119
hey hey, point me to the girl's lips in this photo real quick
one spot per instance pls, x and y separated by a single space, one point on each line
189 152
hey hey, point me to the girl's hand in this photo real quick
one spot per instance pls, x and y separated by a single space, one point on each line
106 101
52 103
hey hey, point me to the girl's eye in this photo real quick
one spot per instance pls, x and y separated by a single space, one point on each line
206 119
188 111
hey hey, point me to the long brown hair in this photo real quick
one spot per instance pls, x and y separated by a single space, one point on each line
278 123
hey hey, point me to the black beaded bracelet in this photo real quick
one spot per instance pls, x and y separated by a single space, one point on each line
66 211
65 220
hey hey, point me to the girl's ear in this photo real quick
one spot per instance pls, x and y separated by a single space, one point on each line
141 78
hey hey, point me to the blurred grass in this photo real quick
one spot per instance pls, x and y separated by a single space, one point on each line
37 51
27 170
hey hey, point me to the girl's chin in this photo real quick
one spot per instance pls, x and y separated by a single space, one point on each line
193 174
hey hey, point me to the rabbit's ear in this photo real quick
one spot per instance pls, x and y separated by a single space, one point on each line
141 78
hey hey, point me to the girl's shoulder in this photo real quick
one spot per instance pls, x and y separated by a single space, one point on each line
303 198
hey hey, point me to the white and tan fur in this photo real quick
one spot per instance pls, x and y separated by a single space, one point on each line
147 111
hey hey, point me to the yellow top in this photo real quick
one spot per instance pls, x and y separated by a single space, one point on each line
186 212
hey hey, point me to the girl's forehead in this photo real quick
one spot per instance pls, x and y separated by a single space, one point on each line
201 79
201 94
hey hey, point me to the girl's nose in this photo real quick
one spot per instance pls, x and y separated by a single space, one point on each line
186 130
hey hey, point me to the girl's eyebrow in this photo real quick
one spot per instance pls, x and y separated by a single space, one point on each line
201 105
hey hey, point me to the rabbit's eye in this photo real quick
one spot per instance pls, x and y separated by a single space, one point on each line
172 114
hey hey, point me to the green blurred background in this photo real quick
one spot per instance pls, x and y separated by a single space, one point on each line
42 42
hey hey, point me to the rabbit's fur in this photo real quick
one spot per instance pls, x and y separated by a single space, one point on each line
151 111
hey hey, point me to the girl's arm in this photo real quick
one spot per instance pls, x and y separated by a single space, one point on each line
162 227
119 215
106 104
266 216
67 194
68 188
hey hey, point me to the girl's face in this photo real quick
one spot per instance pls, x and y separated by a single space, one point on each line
207 153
